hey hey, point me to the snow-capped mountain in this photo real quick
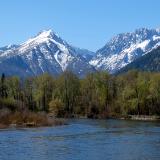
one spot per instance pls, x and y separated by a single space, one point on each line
46 52
125 48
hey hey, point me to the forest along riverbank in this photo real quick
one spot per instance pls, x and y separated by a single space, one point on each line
26 102
96 94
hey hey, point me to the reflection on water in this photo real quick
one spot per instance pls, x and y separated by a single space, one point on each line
84 140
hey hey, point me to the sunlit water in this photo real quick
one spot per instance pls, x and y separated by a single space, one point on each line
84 140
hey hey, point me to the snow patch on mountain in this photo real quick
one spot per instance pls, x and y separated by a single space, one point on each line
156 38
63 59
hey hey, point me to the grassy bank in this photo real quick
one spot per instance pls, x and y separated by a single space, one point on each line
27 119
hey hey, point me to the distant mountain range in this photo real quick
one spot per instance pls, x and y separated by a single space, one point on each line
47 52
125 48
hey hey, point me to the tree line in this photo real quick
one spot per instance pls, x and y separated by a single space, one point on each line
96 95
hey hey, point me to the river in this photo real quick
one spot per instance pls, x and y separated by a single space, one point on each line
83 140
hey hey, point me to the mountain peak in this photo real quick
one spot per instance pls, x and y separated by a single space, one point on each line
46 33
44 36
41 37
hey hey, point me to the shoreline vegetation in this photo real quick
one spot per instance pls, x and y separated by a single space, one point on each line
41 119
27 119
42 100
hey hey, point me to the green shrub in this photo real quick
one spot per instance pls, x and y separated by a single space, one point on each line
57 107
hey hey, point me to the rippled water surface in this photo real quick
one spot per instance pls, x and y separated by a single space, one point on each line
84 140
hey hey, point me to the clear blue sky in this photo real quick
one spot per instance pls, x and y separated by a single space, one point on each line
83 23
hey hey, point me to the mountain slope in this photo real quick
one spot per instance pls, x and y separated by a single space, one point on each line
148 62
46 52
125 48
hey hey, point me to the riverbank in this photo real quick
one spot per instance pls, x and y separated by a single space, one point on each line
144 118
123 117
28 119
